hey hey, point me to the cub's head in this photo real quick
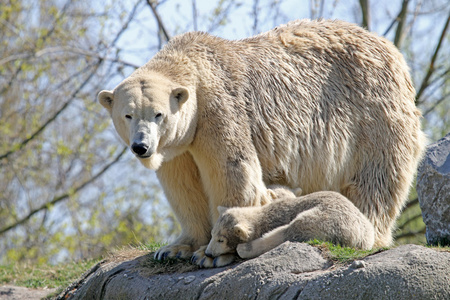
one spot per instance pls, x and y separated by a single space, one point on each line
153 115
232 228
278 192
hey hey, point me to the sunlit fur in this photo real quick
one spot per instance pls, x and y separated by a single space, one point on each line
327 216
321 105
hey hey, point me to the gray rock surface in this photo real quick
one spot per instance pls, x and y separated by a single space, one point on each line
11 292
433 189
290 271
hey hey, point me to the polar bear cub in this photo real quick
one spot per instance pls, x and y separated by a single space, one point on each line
252 231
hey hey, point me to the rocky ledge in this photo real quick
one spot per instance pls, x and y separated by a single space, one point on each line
290 271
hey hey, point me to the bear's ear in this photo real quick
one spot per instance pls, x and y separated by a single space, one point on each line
242 231
221 209
181 94
106 99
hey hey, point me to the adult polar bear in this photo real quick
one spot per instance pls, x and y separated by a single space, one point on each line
321 105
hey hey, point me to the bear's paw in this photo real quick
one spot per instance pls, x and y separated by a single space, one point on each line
199 258
174 251
245 250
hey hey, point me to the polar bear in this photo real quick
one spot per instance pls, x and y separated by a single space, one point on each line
252 231
321 105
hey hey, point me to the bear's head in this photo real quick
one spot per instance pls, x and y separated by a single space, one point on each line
153 115
232 228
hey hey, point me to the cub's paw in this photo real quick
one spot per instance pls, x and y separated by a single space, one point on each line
174 251
199 258
245 250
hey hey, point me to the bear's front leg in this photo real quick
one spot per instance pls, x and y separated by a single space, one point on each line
181 182
232 180
231 177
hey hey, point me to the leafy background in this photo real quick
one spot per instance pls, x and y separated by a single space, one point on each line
69 190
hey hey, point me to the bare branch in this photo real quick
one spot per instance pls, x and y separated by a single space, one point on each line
365 11
220 14
125 25
411 203
43 38
410 234
158 19
62 197
64 49
401 23
431 67
409 220
57 113
436 103
255 10
74 94
194 15
24 142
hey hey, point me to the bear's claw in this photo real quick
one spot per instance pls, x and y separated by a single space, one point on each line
174 251
165 255
194 258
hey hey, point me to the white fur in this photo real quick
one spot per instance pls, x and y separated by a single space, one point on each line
321 105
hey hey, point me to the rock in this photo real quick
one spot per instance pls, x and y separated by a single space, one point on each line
11 292
433 189
290 271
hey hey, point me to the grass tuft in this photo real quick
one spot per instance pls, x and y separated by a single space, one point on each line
342 255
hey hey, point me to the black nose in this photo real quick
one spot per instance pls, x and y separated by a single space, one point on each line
139 148
209 254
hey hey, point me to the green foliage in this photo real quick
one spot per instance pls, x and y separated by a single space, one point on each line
56 138
54 58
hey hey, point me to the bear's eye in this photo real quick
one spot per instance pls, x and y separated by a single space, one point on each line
220 241
129 117
158 116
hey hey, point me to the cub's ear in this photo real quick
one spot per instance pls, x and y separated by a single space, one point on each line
298 192
181 94
106 98
272 194
221 209
242 231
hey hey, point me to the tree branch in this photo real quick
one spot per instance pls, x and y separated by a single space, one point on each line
255 10
24 142
43 38
436 103
365 10
125 25
411 219
401 23
62 197
64 49
411 203
410 234
158 19
194 15
431 67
